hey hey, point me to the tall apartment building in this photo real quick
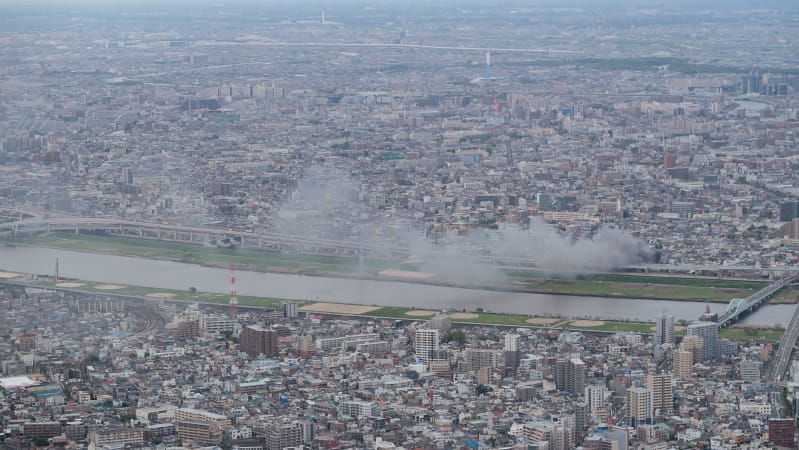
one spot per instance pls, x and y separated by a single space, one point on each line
683 362
662 392
511 349
664 329
695 345
289 310
256 340
709 332
595 397
639 406
570 375
427 343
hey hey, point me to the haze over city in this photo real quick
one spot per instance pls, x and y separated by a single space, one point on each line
399 225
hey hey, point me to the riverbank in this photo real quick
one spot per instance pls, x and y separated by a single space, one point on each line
476 317
508 280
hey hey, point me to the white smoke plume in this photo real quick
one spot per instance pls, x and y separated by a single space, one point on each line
326 205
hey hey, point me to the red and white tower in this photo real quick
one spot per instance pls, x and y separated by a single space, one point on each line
234 301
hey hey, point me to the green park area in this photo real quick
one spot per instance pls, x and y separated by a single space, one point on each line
751 333
522 280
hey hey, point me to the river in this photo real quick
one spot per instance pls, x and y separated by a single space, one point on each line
175 275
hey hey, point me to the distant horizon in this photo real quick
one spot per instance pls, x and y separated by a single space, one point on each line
379 4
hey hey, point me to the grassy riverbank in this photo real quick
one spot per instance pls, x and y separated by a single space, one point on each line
406 313
520 280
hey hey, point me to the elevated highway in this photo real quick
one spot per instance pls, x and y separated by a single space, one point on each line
39 222
782 357
202 236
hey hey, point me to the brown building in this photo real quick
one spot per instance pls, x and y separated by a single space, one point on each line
41 429
27 342
256 340
185 329
781 432
791 229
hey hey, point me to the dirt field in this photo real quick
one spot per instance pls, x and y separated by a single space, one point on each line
420 312
661 287
541 321
405 274
109 287
70 285
9 275
339 308
731 291
461 315
628 285
587 323
161 295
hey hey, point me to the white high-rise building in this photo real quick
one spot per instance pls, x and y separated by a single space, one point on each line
511 342
427 343
595 396
511 350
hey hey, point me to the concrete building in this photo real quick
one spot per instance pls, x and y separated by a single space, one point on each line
664 329
116 435
709 332
695 345
595 397
256 340
640 408
570 375
662 392
440 322
41 429
475 359
750 370
426 344
511 349
683 361
283 434
781 432
290 310
358 408
200 427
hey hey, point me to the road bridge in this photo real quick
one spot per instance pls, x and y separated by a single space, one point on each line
740 307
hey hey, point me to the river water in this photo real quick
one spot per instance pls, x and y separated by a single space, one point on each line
174 275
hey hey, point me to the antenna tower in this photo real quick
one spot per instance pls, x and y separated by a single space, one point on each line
234 301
